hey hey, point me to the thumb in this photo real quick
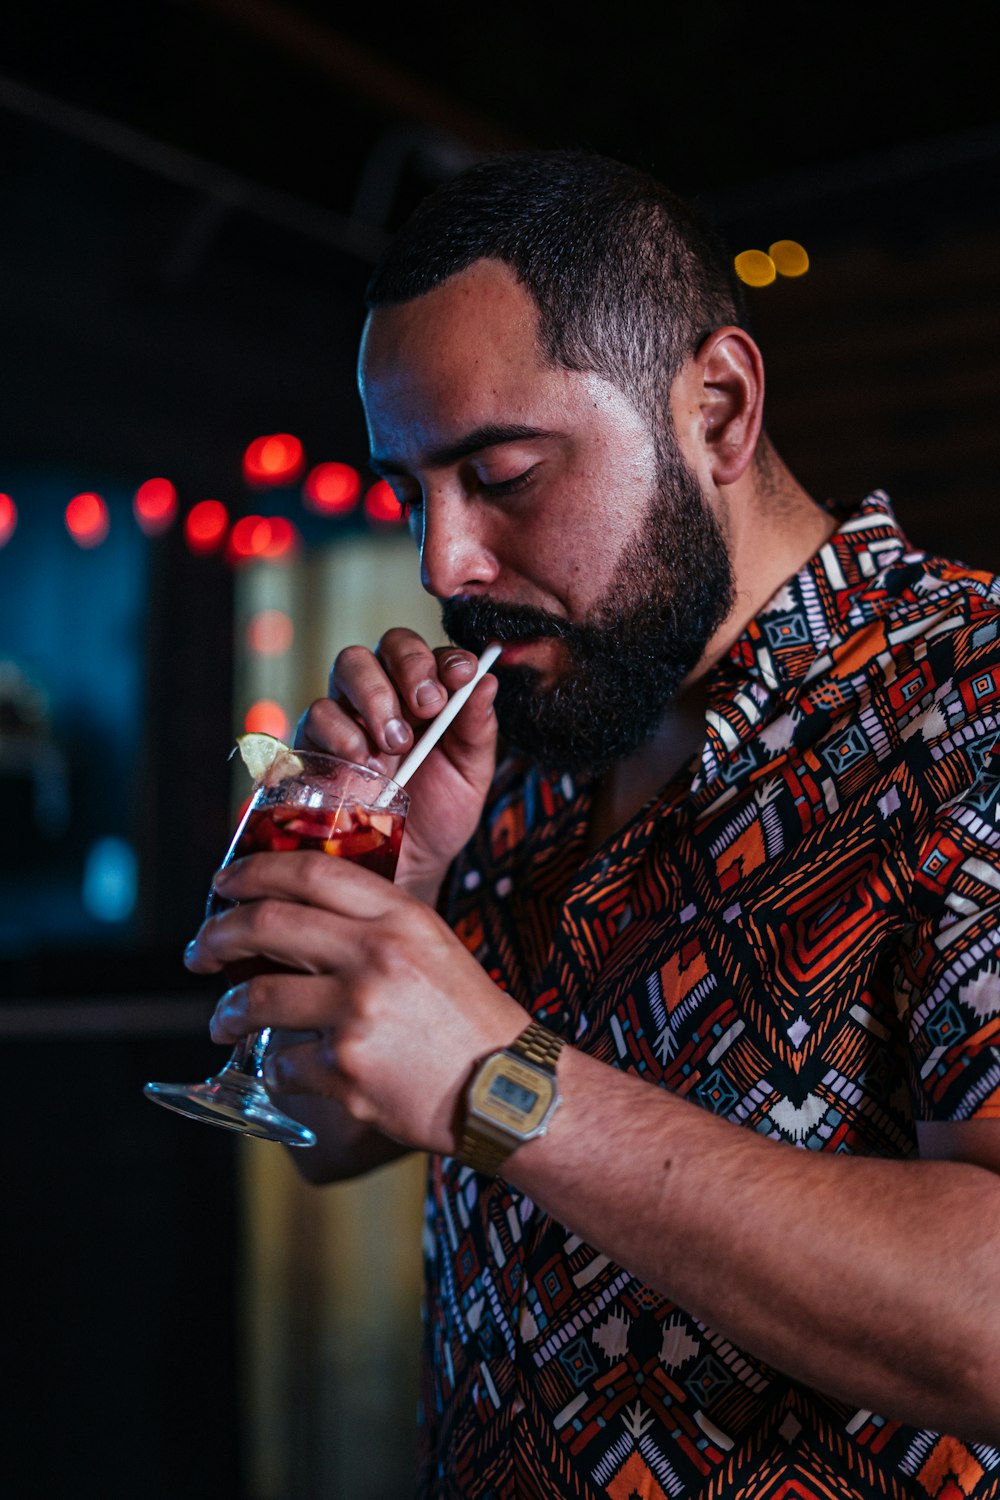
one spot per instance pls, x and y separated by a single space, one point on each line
470 741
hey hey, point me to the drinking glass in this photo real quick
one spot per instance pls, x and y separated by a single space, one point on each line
341 809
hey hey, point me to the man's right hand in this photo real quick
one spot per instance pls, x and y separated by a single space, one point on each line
379 702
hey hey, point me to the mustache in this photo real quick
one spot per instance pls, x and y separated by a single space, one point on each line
474 623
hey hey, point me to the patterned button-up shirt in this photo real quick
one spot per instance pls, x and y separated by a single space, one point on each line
800 934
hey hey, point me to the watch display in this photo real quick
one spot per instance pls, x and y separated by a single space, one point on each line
515 1094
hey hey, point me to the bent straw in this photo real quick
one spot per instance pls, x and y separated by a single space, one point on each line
437 727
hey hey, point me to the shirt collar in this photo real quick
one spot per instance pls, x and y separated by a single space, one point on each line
800 623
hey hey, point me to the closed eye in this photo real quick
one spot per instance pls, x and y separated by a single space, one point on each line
501 488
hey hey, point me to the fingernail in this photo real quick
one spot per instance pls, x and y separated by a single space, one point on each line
461 665
374 764
189 951
231 1005
396 734
221 876
428 693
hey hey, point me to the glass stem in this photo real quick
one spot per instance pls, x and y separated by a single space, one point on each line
248 1055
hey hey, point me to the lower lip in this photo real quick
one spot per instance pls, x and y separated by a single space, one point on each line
513 651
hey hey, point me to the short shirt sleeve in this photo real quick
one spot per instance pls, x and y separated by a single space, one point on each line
948 979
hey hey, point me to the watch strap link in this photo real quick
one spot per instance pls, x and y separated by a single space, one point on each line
482 1154
539 1046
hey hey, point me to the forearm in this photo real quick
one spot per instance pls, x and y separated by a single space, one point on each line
869 1279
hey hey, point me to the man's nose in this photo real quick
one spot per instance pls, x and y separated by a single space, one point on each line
455 549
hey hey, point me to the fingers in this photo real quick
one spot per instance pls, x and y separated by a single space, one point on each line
288 1003
307 878
314 1042
310 1067
327 727
267 924
378 698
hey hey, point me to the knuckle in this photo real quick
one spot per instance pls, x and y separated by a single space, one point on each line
317 870
351 663
316 716
262 917
259 992
326 724
400 639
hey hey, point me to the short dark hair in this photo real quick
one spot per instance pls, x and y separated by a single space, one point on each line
628 279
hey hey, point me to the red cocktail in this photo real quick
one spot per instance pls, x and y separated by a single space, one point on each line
308 801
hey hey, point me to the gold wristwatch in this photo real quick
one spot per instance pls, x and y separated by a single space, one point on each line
511 1099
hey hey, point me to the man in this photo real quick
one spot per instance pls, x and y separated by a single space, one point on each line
740 867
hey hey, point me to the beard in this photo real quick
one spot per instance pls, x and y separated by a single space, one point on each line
672 588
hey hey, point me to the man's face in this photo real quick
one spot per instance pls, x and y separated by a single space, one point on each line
547 515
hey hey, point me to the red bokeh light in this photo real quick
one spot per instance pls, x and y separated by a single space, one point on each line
284 537
270 632
332 489
262 538
155 505
87 519
276 459
382 506
206 525
250 537
8 519
266 717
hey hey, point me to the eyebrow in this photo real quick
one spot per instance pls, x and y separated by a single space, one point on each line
490 435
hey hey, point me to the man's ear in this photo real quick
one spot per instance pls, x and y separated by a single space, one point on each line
728 386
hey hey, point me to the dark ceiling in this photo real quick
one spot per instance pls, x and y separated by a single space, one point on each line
193 190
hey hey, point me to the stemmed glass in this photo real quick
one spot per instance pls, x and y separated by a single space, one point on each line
310 801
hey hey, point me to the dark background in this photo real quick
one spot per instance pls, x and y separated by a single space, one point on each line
191 195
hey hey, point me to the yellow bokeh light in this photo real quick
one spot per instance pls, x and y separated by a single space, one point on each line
755 268
790 259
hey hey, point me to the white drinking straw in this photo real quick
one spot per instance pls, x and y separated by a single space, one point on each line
437 727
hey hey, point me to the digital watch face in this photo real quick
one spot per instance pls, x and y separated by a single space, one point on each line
513 1094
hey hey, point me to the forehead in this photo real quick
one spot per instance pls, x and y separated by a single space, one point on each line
458 353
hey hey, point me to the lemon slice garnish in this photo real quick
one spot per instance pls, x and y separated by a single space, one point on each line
267 759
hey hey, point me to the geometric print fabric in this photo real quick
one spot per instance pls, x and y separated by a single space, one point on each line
799 934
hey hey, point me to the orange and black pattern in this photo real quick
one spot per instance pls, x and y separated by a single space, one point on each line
800 934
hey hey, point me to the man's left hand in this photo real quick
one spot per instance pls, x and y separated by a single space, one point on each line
401 1008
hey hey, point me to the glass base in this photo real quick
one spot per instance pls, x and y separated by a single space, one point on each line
234 1101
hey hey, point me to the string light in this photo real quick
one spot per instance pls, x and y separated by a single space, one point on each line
8 519
332 489
784 258
284 538
276 459
262 539
87 519
155 506
381 505
270 632
790 259
266 717
755 268
206 526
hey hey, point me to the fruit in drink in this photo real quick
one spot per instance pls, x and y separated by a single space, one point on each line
350 831
353 832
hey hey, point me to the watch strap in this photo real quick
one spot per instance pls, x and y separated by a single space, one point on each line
539 1046
481 1153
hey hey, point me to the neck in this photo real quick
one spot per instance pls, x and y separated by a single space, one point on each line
774 528
630 783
